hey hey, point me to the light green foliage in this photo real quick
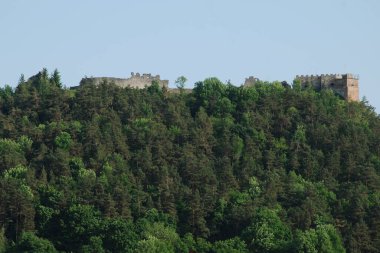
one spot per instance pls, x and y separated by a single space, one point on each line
220 210
237 146
239 198
154 245
105 173
297 183
209 92
41 127
199 245
162 232
6 92
94 246
63 140
267 88
76 165
76 126
25 143
233 245
267 233
254 187
27 191
43 216
300 135
142 124
250 94
11 154
297 85
30 243
158 236
19 172
175 130
86 176
323 239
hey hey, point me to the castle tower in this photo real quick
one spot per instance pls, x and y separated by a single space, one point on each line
347 85
352 87
250 81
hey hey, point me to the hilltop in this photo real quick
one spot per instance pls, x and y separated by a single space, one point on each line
256 168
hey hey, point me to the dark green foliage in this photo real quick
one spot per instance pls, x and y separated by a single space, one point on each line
221 169
119 235
63 140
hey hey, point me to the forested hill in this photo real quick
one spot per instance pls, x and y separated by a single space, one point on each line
221 169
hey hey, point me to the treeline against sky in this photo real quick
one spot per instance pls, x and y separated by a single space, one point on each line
265 168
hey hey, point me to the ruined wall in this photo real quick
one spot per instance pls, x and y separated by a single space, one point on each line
250 81
135 81
346 85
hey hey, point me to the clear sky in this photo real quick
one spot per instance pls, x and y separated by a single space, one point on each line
228 39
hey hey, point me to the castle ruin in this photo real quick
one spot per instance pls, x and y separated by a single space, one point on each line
250 81
135 81
346 85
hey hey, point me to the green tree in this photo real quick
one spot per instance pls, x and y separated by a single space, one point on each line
30 243
324 239
119 235
233 245
94 246
55 79
267 233
180 82
63 140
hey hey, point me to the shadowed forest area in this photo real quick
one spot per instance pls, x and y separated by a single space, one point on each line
222 169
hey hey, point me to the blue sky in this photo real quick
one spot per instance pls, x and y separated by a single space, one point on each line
231 40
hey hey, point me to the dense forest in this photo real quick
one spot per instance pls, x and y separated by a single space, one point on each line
267 168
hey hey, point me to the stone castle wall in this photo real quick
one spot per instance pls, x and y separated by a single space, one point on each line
135 81
346 85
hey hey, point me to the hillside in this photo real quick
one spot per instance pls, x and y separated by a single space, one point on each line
265 168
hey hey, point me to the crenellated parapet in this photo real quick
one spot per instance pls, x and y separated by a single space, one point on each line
329 76
346 85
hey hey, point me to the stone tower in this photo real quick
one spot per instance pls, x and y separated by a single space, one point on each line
346 85
250 81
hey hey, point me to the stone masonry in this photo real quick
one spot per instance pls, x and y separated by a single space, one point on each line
135 81
250 81
346 85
